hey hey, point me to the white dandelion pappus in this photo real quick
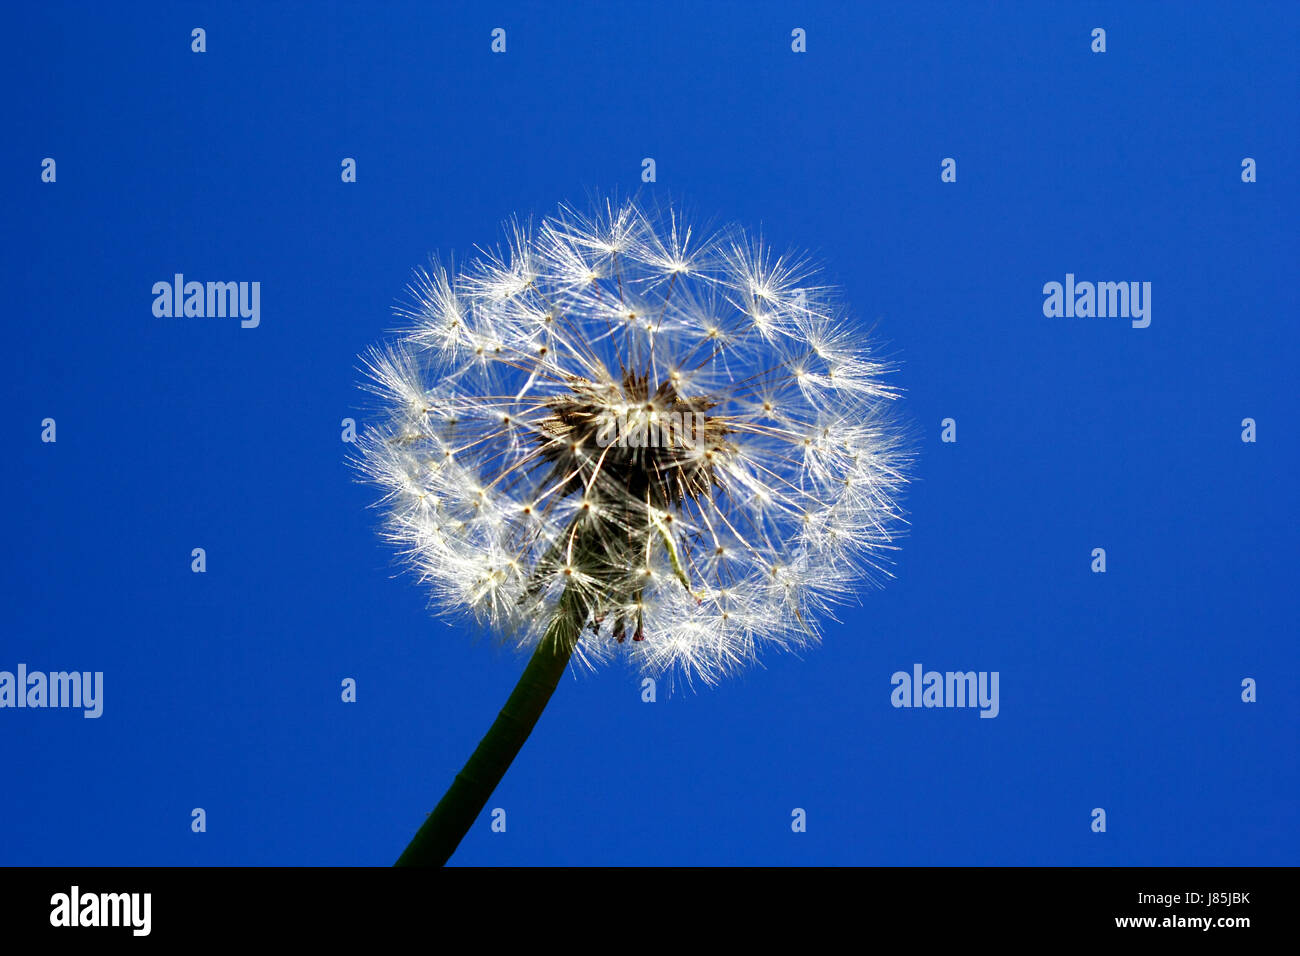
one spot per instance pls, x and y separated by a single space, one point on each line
681 434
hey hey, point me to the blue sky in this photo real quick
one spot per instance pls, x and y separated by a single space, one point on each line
1119 690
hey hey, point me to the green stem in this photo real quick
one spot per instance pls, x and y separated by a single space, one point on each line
456 812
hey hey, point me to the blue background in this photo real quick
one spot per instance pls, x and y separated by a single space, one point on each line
1119 691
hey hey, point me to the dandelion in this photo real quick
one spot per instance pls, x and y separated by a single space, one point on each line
613 437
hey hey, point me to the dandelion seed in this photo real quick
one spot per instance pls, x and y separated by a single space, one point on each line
524 453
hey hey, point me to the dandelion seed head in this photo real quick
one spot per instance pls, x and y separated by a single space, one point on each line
682 429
